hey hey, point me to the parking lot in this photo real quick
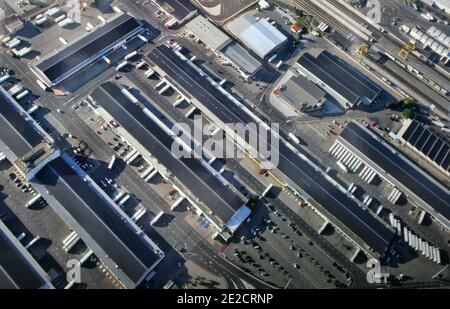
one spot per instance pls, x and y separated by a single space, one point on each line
277 251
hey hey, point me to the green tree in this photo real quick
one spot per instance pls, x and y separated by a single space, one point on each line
409 113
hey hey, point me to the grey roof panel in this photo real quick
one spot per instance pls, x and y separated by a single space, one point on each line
241 57
16 272
340 76
221 200
104 225
179 9
88 46
361 223
403 170
16 132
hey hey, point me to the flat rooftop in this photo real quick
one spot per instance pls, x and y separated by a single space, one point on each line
340 76
18 269
241 57
15 131
98 219
428 143
208 33
396 167
208 189
300 92
72 57
180 9
298 171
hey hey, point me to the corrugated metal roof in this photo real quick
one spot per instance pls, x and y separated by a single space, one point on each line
299 91
241 57
208 33
258 35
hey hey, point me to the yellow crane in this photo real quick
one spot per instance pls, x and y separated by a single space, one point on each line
406 50
363 49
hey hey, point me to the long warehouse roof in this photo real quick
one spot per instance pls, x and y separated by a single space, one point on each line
340 76
18 269
399 167
210 191
15 131
87 47
180 9
361 223
98 219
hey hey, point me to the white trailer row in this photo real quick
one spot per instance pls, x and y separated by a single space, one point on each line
177 202
157 217
118 196
22 94
4 77
394 196
52 11
367 174
111 163
131 97
70 241
60 18
267 190
147 172
149 73
322 27
178 102
33 200
124 200
15 89
121 65
367 201
422 216
138 215
13 43
21 52
190 112
141 64
348 159
422 246
41 20
151 175
142 38
65 22
164 89
130 55
133 158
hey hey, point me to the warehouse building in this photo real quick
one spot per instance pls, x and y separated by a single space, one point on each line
73 57
259 36
398 171
326 198
205 191
430 145
347 85
23 142
122 247
223 46
180 11
301 94
18 268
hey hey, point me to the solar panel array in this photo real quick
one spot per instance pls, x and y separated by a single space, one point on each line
428 143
